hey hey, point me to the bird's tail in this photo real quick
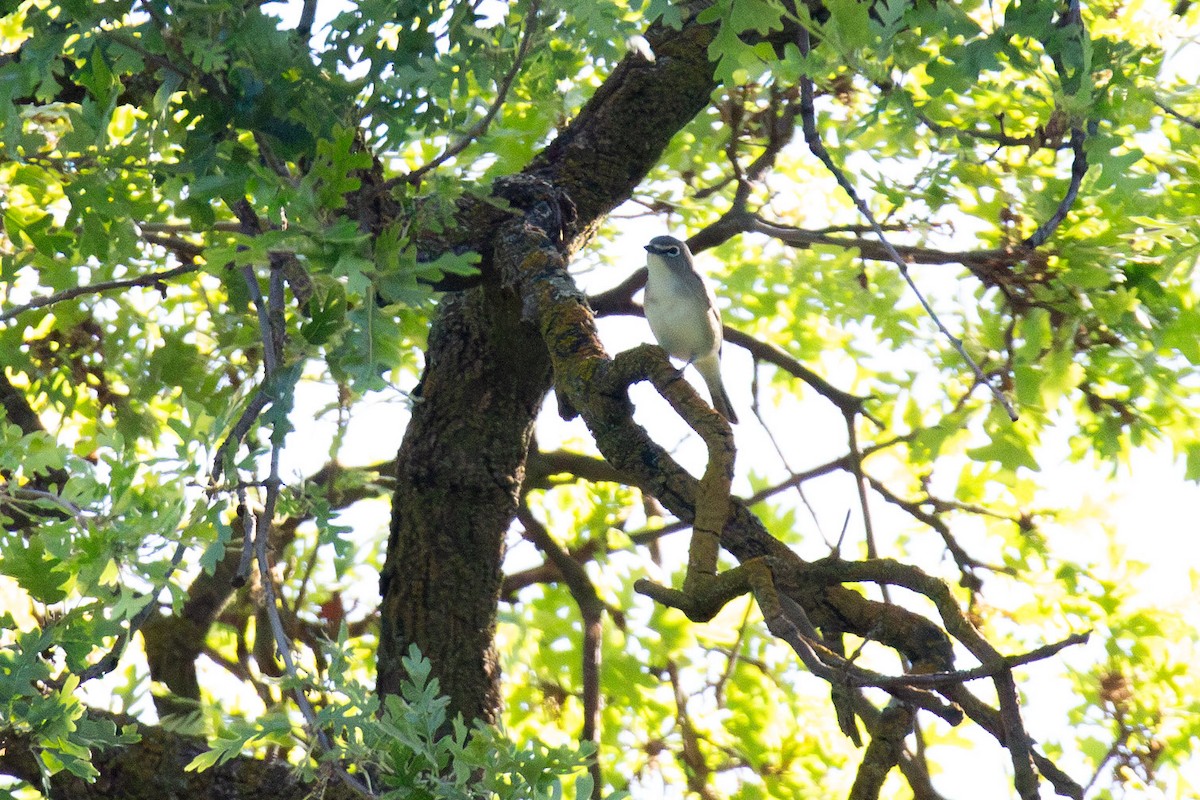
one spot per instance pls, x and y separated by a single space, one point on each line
710 370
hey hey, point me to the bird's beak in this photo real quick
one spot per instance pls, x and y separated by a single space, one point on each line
648 248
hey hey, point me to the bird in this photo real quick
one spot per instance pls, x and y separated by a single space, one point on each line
683 315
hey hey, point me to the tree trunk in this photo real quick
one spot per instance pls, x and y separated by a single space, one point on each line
458 482
463 457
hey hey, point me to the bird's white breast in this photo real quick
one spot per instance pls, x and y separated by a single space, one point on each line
676 325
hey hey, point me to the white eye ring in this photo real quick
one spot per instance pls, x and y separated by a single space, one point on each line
672 250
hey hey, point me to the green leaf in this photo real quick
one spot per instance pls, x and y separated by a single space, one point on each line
1192 454
42 454
356 270
1115 168
1007 448
37 572
171 82
734 58
668 13
464 264
327 315
98 78
850 22
209 758
762 16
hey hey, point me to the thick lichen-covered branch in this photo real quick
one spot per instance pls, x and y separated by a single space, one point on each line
595 386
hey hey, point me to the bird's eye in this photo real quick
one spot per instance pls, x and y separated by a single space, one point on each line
672 250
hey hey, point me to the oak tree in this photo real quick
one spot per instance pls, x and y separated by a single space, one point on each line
305 300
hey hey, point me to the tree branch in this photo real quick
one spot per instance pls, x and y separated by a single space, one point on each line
1079 168
155 279
1184 118
591 610
154 768
813 139
480 127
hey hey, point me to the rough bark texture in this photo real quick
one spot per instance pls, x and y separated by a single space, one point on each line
487 369
458 482
153 769
461 465
173 643
596 386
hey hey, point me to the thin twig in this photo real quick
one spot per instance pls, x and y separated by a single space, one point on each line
109 662
267 153
795 628
813 139
282 644
1017 741
275 313
1079 168
184 250
860 676
272 334
860 485
990 259
1036 140
647 536
227 226
248 525
935 679
966 563
29 495
238 432
780 358
618 301
734 652
1184 118
270 325
270 361
1109 756
754 393
481 126
591 609
990 720
150 279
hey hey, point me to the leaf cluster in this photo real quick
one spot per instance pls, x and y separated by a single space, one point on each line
410 748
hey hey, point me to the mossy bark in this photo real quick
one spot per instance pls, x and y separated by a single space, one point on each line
488 369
